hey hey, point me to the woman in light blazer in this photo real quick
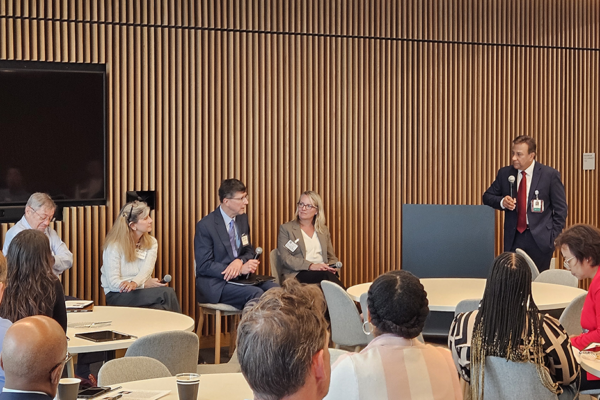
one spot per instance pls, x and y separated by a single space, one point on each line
304 244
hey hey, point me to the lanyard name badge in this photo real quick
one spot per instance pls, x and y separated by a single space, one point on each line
292 246
245 241
537 205
141 254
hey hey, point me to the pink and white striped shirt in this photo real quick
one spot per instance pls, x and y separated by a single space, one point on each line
391 367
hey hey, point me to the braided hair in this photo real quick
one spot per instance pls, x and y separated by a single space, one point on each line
508 323
398 304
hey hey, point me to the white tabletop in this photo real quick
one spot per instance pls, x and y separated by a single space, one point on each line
445 293
131 320
591 366
212 386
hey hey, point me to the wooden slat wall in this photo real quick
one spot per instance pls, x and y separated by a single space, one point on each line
370 103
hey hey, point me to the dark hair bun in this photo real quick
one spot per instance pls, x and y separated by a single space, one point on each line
398 304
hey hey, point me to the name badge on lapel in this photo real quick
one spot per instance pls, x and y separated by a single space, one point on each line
292 246
537 205
245 241
141 254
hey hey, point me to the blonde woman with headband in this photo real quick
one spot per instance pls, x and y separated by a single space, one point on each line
128 262
304 244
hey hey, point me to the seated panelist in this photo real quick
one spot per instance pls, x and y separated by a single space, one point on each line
39 213
223 250
304 244
128 263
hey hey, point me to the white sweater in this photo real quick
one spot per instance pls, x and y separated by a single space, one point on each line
116 269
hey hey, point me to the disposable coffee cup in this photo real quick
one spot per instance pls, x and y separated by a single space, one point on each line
187 386
68 388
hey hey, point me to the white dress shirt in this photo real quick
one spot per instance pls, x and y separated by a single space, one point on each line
63 258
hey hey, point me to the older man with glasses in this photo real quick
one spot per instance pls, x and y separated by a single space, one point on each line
34 354
39 213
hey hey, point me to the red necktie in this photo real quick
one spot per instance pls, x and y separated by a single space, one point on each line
522 204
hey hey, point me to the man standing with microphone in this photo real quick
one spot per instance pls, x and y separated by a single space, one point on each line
537 215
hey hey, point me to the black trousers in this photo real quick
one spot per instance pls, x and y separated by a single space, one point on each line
161 298
318 277
526 242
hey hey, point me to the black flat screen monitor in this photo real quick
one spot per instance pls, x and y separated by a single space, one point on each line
53 133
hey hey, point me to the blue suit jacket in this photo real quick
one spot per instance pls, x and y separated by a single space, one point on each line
545 226
213 254
23 396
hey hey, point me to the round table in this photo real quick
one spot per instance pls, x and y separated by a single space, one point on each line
130 320
445 293
212 386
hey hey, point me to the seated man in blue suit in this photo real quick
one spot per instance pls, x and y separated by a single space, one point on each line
33 358
223 250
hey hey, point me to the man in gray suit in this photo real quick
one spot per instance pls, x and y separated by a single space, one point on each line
223 250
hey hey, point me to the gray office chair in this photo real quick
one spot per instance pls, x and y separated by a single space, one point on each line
232 366
129 369
535 272
275 262
570 318
466 306
558 277
177 350
346 324
513 380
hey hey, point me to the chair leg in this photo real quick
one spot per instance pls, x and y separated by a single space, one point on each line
200 322
357 349
233 335
218 337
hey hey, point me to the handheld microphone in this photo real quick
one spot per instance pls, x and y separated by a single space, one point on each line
511 179
336 265
258 252
166 279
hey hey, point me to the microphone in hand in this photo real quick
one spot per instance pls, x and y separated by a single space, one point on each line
166 279
258 251
336 265
511 179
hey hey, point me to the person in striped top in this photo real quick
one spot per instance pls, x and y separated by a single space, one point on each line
395 365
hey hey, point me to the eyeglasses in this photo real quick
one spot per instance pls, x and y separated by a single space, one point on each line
566 263
67 358
239 198
49 218
303 206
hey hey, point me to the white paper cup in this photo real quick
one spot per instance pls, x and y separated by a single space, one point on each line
68 388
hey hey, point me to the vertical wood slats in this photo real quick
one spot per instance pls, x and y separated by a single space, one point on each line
372 104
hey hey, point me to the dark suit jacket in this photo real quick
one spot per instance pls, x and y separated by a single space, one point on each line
213 254
545 226
23 396
294 262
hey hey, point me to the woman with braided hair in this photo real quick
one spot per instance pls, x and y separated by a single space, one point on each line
508 312
395 365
